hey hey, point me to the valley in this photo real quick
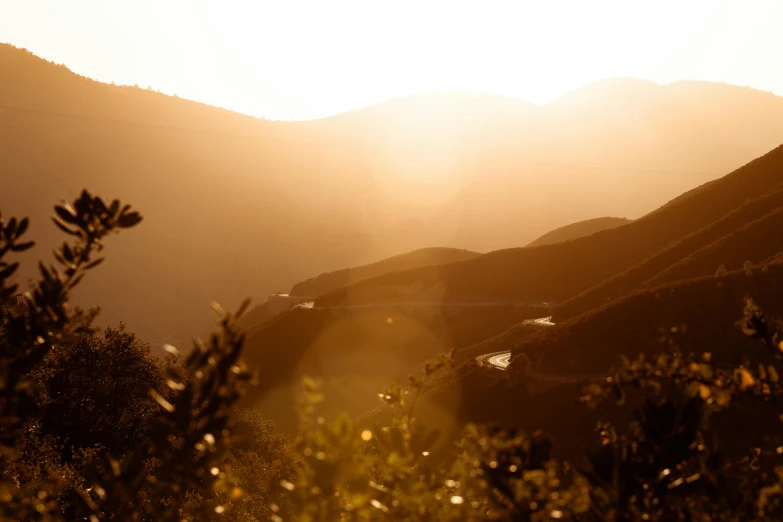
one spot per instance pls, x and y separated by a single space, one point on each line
421 262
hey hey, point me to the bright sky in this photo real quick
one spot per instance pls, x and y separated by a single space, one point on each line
298 59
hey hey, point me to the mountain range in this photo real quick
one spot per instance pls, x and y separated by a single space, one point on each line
681 271
238 206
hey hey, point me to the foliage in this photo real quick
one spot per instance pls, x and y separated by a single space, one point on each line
671 462
187 440
94 428
41 318
389 473
46 348
93 395
258 459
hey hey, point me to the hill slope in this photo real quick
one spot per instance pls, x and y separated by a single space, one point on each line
678 252
592 342
589 345
418 258
756 242
559 271
580 229
358 351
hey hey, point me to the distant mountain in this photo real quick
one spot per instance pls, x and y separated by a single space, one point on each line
355 340
580 229
556 272
577 347
234 205
323 283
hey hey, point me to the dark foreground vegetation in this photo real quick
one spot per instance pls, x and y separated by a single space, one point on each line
95 428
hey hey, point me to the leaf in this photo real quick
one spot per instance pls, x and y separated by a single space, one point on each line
219 311
95 263
166 405
10 228
67 252
64 227
44 271
22 227
243 308
100 203
66 213
129 220
21 247
76 281
8 271
746 379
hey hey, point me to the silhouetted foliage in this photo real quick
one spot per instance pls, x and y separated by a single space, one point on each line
93 395
94 428
52 409
41 317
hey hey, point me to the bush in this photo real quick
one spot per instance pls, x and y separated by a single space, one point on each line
46 393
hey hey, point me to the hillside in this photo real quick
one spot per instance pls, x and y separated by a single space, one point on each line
237 206
756 243
567 355
274 305
553 273
679 253
580 229
323 283
213 203
358 351
592 341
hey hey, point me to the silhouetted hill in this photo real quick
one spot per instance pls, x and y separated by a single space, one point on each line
754 243
225 216
555 272
358 351
633 278
591 342
235 205
618 147
274 305
567 355
323 283
580 229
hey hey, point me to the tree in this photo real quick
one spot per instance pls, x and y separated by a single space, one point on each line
95 391
189 434
93 397
33 323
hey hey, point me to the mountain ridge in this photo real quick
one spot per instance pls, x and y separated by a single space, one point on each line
228 216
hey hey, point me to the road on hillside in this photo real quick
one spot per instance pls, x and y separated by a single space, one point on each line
501 360
425 304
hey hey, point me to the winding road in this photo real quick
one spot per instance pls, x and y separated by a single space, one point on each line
496 360
501 360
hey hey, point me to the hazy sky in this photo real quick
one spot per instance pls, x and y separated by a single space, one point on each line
297 59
